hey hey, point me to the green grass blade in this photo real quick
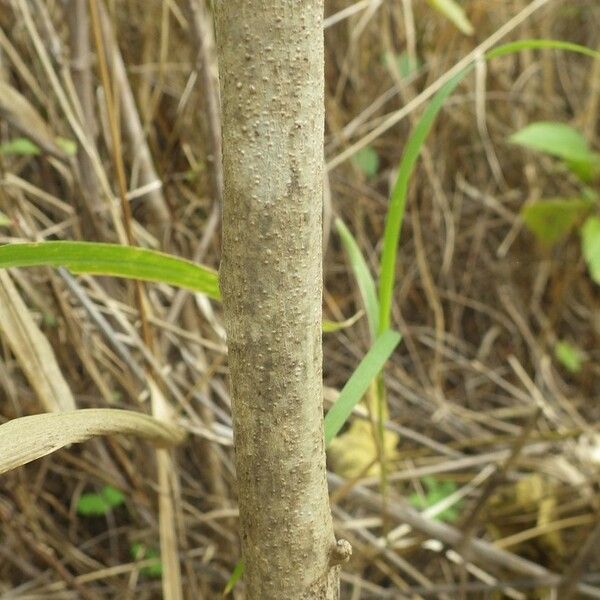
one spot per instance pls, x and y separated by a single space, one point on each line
113 260
359 382
396 209
397 204
362 274
540 44
237 572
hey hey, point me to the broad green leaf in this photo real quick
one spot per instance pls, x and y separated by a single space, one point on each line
237 572
19 147
551 220
359 382
587 172
557 139
140 552
362 274
99 504
4 220
454 12
569 356
367 160
113 260
590 246
396 209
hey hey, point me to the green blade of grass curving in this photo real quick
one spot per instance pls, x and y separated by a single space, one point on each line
540 44
235 576
396 209
362 274
113 260
356 387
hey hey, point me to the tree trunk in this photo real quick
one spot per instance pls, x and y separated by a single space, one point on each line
271 73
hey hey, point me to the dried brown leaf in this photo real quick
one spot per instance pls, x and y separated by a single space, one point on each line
18 111
28 438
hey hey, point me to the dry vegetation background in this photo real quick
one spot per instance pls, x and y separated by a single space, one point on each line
481 306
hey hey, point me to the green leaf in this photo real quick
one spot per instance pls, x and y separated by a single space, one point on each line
367 160
551 220
397 205
541 44
569 356
92 505
19 147
237 572
436 491
95 505
590 246
69 147
4 220
113 260
112 496
454 12
396 209
359 382
362 274
557 139
140 552
586 171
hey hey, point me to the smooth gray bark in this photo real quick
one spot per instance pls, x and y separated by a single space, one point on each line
271 75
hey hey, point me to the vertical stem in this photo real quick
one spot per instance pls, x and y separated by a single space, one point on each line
272 94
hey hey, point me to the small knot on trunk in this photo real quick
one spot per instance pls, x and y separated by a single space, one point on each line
340 553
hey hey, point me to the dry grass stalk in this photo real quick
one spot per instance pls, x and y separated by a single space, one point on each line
34 354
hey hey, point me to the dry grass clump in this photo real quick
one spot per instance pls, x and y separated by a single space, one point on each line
486 416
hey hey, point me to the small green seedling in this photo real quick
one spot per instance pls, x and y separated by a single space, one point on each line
154 569
367 160
97 505
237 572
22 146
569 356
19 147
436 490
552 220
69 147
